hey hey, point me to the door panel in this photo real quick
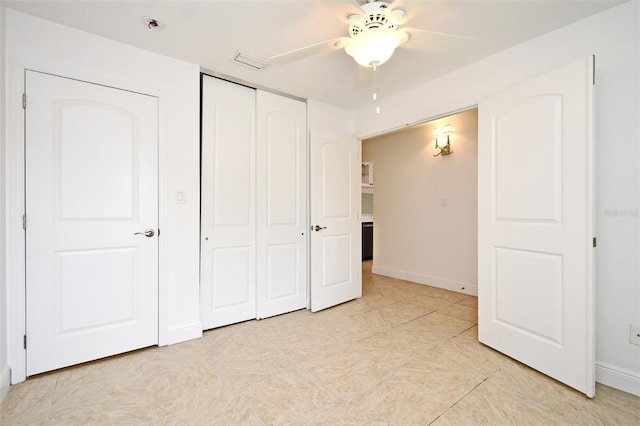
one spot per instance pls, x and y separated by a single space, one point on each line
106 157
232 265
535 201
525 278
232 153
338 248
283 273
282 205
91 184
542 199
111 272
335 208
228 220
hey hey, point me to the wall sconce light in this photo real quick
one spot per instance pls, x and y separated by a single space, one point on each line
445 149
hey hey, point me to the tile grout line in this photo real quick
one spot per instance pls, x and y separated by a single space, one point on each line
53 393
464 331
460 399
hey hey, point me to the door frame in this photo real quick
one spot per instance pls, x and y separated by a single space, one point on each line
15 199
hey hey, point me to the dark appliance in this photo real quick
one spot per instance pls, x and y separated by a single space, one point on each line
367 240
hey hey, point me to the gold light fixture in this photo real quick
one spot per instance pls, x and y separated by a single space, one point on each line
445 149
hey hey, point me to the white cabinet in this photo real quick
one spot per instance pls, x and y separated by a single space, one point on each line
367 176
253 219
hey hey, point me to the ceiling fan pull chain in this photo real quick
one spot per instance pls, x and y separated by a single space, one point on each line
376 87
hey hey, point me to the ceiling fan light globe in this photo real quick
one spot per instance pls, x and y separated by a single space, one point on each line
397 16
375 46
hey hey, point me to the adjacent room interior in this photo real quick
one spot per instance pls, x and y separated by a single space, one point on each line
424 203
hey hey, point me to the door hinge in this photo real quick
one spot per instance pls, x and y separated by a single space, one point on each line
24 101
24 341
593 63
24 222
594 242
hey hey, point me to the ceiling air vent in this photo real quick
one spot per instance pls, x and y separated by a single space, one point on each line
249 61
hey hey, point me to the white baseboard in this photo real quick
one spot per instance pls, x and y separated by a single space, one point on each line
618 378
184 333
5 381
459 287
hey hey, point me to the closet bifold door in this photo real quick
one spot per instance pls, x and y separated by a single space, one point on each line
228 216
281 205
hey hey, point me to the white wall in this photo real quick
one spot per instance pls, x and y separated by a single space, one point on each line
613 36
425 207
4 365
328 117
44 46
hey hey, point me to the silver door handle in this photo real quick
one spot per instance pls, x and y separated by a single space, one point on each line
147 233
318 228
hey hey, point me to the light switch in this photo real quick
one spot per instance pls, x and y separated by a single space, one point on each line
181 197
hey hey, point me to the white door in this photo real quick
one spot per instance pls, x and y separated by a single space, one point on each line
335 229
281 205
91 185
228 218
535 224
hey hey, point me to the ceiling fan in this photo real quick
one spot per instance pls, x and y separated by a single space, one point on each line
373 37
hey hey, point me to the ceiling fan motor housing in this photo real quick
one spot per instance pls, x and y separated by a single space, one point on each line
376 16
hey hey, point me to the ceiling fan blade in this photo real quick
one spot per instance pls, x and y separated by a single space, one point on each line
433 41
307 51
364 77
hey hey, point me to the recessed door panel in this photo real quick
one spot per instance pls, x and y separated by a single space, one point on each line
284 165
336 181
525 278
233 150
91 184
337 248
524 190
96 149
231 267
97 288
283 271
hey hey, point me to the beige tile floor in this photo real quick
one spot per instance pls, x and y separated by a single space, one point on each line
402 354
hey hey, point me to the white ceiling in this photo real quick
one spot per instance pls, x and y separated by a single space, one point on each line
210 32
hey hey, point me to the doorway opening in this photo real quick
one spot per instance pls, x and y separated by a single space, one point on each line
423 205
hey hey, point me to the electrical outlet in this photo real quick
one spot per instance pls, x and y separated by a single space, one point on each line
634 334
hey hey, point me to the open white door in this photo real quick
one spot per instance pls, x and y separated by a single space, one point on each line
228 215
91 193
282 205
335 219
535 224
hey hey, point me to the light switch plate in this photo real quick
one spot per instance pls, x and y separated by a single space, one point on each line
634 334
181 197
